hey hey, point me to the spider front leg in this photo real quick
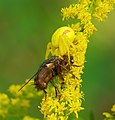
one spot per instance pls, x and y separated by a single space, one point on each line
64 46
51 49
48 50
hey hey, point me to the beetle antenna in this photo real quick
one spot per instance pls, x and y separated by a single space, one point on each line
27 81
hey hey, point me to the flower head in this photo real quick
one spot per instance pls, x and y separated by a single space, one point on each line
4 100
4 103
110 116
103 8
113 108
29 118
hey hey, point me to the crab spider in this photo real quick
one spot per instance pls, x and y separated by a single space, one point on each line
61 41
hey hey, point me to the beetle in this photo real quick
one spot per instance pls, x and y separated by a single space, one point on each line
49 69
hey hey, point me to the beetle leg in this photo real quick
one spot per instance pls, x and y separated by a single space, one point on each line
56 88
45 93
61 77
67 70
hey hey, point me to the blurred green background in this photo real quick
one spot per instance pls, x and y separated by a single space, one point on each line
26 27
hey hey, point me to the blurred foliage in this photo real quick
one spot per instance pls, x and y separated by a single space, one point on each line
25 29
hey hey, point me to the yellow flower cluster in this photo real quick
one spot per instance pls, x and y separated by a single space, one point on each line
110 116
29 118
81 12
18 103
103 8
113 108
77 10
4 102
70 97
72 41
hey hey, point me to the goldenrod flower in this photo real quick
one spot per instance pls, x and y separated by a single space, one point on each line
86 2
89 29
30 95
76 27
25 103
4 103
4 100
83 13
69 12
13 89
21 103
107 115
103 8
72 41
75 107
113 108
77 10
70 98
29 118
3 113
55 117
15 101
110 116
